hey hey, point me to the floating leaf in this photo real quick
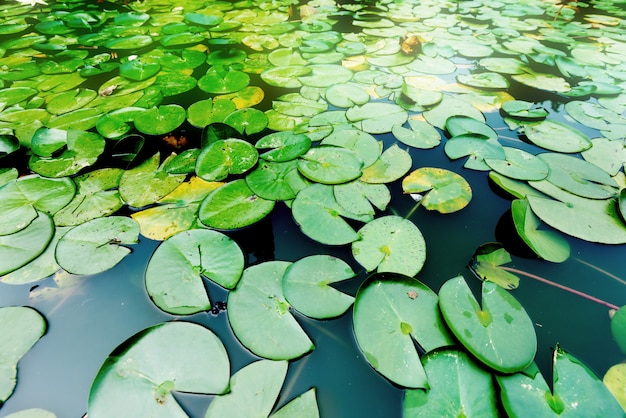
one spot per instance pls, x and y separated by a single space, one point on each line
247 121
390 166
330 165
307 286
377 118
419 134
21 327
276 180
325 75
540 81
556 136
148 182
609 155
390 244
287 76
346 95
320 216
137 70
484 80
365 145
391 313
283 146
614 381
160 120
476 149
523 110
445 191
486 264
457 386
519 164
260 317
233 206
618 328
500 334
358 197
99 244
577 391
219 80
465 125
115 124
23 197
448 107
175 270
206 112
19 248
140 375
222 158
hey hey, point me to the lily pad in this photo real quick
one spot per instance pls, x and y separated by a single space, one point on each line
325 75
476 149
115 124
523 110
233 206
361 198
21 247
390 244
393 163
499 334
419 134
577 391
609 155
319 216
221 80
346 95
21 328
287 76
276 180
365 145
175 270
465 125
139 376
378 117
484 80
307 286
22 198
330 165
160 120
457 386
557 136
486 264
259 314
445 191
148 182
206 112
247 121
222 158
283 146
391 313
519 164
97 245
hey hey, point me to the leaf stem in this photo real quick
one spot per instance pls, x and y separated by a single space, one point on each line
560 286
413 209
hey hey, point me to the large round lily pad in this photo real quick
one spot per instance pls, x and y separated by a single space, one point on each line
175 270
390 312
160 120
139 376
330 165
557 136
500 334
260 317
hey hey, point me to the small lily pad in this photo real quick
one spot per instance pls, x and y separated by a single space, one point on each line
160 120
97 245
175 270
222 158
260 317
390 244
486 264
500 334
445 191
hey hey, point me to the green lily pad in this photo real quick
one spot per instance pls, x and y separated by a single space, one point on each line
359 197
13 95
319 216
500 334
588 219
547 244
325 75
139 376
578 176
22 198
283 146
222 158
618 328
614 381
160 120
115 124
69 101
137 70
448 107
419 134
287 76
557 136
577 391
377 118
365 145
60 153
276 180
486 264
393 163
233 206
457 386
148 182
21 328
96 196
465 125
175 270
548 82
247 121
129 42
445 190
96 246
390 244
206 112
391 313
307 286
476 149
221 80
484 80
330 165
607 154
254 390
346 95
21 247
523 110
259 314
519 164
296 105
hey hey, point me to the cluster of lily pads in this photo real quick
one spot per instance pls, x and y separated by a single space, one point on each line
90 130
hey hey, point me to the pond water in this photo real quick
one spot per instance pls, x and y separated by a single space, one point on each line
89 315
